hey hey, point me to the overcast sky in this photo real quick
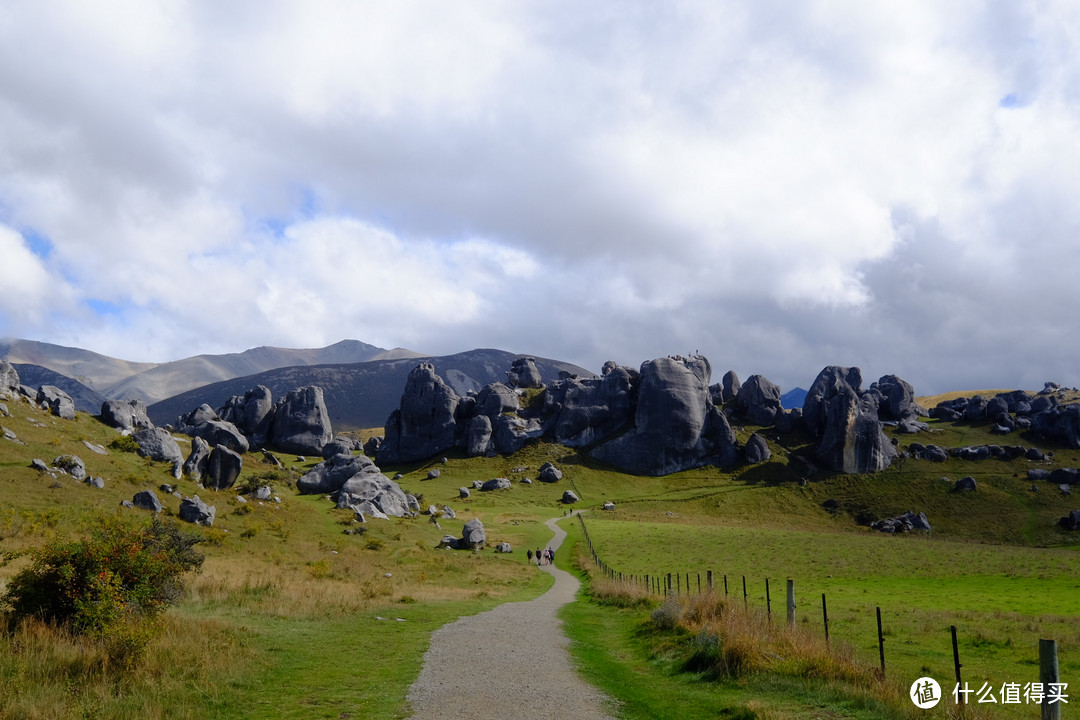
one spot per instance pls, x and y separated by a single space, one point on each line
780 185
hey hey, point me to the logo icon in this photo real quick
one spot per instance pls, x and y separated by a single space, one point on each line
925 693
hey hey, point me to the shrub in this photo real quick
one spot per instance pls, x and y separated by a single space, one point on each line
109 587
125 443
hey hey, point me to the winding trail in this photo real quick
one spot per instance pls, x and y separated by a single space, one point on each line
509 663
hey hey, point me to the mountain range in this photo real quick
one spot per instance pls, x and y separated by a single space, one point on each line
361 383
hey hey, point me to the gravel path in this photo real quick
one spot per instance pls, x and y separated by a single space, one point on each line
509 663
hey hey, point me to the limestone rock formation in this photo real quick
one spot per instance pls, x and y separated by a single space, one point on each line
9 379
223 468
194 510
195 465
328 476
425 424
756 450
758 401
845 423
584 411
301 422
127 416
203 422
252 414
147 500
1060 423
473 535
71 464
478 436
676 426
731 386
157 444
524 374
57 401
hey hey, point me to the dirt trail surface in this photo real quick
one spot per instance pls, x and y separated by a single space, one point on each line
510 663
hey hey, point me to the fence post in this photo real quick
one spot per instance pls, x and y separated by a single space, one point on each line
768 601
678 581
960 697
699 583
725 586
881 643
668 590
1048 676
709 578
791 602
745 601
825 617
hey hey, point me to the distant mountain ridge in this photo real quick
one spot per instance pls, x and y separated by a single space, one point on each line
362 395
151 382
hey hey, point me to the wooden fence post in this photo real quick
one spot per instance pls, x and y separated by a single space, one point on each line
768 601
725 586
881 643
1049 676
960 697
709 578
791 602
745 601
825 617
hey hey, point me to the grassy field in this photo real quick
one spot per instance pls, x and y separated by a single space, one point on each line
292 617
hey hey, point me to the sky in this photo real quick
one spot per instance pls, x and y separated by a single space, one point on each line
777 185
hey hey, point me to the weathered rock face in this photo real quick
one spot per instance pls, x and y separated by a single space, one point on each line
147 500
731 386
676 425
569 497
495 399
301 423
478 436
473 535
72 465
524 374
338 446
9 378
203 422
195 465
583 411
129 416
827 385
424 425
1061 423
907 522
756 450
511 433
500 483
194 510
549 473
898 399
157 444
252 414
852 440
373 494
758 401
59 402
328 477
223 468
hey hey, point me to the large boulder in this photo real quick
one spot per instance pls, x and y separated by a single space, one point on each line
301 422
852 440
330 475
584 411
147 500
731 386
57 401
194 510
373 494
473 535
252 414
898 399
829 382
128 416
223 468
758 401
9 379
72 465
424 425
511 432
478 436
524 374
1060 423
499 483
195 465
203 422
157 444
676 425
549 473
496 399
756 450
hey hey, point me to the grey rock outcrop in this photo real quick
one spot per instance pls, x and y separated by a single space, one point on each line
128 416
9 379
897 399
966 484
1060 423
72 465
585 411
676 424
223 467
511 432
524 374
330 475
157 444
373 494
338 446
203 422
464 493
504 547
194 510
846 424
549 473
57 401
1071 521
195 465
758 401
500 483
252 414
425 423
147 500
478 440
756 450
473 535
569 497
907 522
730 386
301 422
495 399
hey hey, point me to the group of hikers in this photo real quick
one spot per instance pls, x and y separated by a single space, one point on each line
543 557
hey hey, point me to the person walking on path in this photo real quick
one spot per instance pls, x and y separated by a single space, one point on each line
528 554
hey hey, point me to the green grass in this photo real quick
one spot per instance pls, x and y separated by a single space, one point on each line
283 617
